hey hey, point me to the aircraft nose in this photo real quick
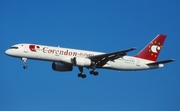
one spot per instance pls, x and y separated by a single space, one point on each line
8 52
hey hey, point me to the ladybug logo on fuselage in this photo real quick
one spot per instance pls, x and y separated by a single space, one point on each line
33 48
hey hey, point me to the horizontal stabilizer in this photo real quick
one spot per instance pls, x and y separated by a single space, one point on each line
161 62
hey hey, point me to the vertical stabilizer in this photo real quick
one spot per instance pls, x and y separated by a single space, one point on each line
152 50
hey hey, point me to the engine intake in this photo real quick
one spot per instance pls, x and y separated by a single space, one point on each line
61 67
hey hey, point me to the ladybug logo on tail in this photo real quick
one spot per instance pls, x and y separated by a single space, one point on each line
155 48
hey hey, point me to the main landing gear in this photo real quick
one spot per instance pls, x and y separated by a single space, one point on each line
24 62
93 72
81 72
82 75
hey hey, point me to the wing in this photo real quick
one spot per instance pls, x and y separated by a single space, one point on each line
102 59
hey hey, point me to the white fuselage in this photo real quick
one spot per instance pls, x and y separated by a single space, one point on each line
65 55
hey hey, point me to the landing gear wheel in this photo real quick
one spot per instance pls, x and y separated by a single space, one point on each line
82 75
79 75
81 72
91 72
94 73
25 67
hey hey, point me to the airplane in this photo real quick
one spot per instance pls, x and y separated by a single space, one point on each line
63 59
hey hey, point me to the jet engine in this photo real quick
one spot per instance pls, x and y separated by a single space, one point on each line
80 61
61 67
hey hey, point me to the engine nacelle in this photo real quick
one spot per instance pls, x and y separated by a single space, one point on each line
80 61
61 67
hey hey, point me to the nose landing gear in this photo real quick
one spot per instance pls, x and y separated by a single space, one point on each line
24 62
25 67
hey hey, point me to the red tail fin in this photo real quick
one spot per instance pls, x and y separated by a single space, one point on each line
152 50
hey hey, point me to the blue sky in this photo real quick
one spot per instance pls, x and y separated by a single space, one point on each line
101 25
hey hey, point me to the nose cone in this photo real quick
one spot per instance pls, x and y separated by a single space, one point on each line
8 52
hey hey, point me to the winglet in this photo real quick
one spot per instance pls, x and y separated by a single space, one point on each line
133 48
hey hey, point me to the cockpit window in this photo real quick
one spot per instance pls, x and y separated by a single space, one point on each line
13 47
